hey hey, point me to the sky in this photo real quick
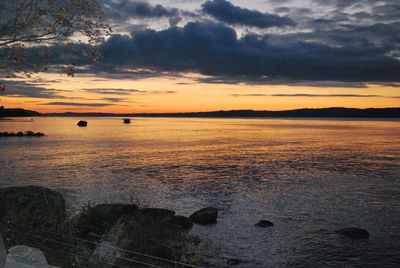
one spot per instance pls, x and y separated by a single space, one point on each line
207 55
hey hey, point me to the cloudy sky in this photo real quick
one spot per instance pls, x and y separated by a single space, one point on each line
196 55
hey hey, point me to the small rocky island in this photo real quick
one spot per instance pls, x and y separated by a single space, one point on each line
27 133
82 123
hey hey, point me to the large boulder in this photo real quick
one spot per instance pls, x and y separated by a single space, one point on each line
35 196
106 252
180 222
114 211
101 218
36 204
26 257
353 232
205 216
165 252
156 214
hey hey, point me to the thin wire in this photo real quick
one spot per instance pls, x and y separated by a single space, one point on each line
129 251
116 248
70 254
8 236
105 254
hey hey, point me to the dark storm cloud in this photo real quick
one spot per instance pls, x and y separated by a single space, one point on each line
282 9
78 104
215 50
126 9
342 4
21 89
225 11
387 12
380 35
119 71
279 2
338 3
348 49
261 80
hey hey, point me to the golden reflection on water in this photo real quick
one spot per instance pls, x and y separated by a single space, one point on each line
317 174
188 153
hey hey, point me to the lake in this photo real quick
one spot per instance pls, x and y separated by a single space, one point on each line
308 176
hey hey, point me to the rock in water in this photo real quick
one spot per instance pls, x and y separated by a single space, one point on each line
233 261
353 232
82 123
205 216
264 223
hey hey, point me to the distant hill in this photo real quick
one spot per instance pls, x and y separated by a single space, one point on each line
323 112
17 112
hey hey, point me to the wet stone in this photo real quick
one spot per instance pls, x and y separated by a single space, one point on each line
264 223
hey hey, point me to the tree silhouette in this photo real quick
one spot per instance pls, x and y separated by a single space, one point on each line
29 28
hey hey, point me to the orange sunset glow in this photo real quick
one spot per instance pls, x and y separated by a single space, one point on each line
185 94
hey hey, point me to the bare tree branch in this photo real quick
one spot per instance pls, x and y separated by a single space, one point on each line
25 24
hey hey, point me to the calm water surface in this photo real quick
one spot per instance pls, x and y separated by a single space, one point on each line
309 177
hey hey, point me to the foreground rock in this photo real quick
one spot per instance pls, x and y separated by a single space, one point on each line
180 222
353 232
26 257
107 253
38 205
156 214
154 231
100 218
113 211
264 223
205 216
165 253
97 230
3 252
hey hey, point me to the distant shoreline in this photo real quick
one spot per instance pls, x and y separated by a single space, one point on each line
298 113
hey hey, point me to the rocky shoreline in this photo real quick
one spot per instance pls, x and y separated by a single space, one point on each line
103 233
109 234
